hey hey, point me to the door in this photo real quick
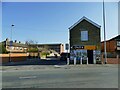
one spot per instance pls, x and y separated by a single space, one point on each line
90 56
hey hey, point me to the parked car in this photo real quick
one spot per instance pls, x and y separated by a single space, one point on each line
64 56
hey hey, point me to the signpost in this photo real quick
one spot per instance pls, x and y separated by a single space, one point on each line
67 48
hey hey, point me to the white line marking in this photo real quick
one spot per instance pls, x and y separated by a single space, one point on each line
27 77
58 66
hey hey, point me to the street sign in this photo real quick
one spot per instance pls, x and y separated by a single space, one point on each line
67 46
78 47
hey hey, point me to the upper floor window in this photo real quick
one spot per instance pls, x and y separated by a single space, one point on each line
17 48
118 43
84 35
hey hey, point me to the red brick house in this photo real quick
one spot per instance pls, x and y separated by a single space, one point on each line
113 50
112 45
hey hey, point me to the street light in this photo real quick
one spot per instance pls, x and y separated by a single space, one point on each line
11 41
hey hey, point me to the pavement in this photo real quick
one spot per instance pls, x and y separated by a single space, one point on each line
51 67
35 64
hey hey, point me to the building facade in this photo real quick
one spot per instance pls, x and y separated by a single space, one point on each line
14 47
85 40
112 45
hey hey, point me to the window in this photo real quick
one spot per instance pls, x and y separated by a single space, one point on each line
12 48
20 48
118 43
17 48
84 35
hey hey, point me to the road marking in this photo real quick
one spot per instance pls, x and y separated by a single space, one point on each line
59 66
28 77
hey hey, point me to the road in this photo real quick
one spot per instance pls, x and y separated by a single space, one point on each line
84 76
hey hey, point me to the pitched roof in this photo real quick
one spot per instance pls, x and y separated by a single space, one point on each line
84 18
16 44
114 38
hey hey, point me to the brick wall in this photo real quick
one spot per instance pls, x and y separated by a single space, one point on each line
110 46
15 57
112 60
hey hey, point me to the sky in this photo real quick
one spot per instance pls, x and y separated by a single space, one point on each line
48 22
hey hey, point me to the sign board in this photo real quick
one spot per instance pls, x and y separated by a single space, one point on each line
67 46
91 47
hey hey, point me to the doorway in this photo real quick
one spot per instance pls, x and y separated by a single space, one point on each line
90 56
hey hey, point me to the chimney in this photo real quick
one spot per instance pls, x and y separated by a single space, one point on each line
15 41
7 39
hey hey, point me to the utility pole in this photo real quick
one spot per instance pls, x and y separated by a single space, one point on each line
105 52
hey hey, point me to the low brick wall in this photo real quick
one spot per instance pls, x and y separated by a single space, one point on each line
15 57
112 60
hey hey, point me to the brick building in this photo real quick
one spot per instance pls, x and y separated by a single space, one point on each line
112 45
85 40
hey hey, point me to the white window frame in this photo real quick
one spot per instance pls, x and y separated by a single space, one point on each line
84 35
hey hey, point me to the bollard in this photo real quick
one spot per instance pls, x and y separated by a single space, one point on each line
87 60
81 61
68 61
75 61
94 59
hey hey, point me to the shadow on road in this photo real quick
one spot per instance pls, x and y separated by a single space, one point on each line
36 62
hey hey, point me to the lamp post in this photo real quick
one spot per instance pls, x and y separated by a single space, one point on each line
11 41
105 52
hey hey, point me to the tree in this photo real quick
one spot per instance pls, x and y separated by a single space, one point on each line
2 48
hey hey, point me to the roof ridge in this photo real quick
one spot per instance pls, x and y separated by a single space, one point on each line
95 24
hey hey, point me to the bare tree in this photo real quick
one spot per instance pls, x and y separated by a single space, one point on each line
32 44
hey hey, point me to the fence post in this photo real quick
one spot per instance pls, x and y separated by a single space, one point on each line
87 60
117 56
74 60
81 61
68 61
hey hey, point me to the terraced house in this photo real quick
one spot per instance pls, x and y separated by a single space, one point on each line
14 46
85 40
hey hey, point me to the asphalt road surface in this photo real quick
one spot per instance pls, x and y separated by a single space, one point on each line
86 76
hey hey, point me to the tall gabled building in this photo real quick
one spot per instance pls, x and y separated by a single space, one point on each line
85 40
